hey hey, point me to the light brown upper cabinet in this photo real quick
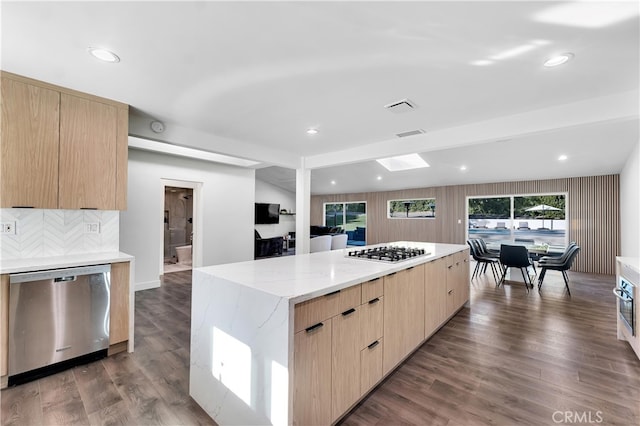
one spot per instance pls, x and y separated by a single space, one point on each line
61 148
29 160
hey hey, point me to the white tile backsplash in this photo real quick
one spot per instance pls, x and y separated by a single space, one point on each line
44 233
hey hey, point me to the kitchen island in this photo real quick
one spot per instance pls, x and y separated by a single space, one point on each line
301 339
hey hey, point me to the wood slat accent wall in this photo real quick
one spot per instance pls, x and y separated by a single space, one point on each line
593 211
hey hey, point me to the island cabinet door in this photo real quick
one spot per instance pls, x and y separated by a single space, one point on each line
345 368
403 314
435 293
457 281
312 375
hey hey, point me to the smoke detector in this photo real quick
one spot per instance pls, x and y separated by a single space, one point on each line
157 126
402 106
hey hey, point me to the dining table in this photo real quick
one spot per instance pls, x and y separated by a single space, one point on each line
536 251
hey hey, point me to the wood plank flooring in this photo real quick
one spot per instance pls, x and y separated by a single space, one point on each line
517 358
513 358
147 387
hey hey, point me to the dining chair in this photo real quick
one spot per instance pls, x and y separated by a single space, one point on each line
482 261
485 251
563 256
512 256
562 266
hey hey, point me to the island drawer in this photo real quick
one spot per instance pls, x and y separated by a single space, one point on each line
372 289
314 311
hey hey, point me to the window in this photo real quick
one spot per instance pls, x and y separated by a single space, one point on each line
417 208
536 219
352 217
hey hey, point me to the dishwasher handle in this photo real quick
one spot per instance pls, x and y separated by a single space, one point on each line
59 275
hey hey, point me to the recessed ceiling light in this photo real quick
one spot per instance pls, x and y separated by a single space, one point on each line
403 162
333 182
558 60
379 178
312 131
463 168
562 157
104 54
588 14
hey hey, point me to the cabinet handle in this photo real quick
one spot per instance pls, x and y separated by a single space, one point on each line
450 291
393 273
372 301
375 279
374 344
313 327
450 266
349 312
332 293
411 267
457 263
21 207
88 208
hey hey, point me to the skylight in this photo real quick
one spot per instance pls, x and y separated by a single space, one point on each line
588 14
403 162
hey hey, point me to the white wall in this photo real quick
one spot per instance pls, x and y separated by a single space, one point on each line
228 206
268 193
630 205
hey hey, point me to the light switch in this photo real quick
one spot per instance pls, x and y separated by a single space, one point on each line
8 228
92 227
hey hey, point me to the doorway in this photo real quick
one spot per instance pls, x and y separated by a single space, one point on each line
178 229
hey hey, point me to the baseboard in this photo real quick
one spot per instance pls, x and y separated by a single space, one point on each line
147 285
117 348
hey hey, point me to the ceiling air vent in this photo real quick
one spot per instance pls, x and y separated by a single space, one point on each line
399 107
409 133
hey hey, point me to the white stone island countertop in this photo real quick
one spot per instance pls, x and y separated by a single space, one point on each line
303 277
12 266
242 326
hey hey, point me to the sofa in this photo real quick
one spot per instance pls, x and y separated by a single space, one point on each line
265 247
316 230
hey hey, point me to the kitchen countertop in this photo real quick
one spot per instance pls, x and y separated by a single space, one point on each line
633 262
12 266
303 277
242 326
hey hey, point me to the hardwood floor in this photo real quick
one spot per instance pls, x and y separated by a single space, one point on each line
514 358
147 387
517 358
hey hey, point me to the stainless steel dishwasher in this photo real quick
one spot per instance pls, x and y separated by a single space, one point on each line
57 318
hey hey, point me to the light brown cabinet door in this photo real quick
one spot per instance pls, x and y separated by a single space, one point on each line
122 158
345 364
312 375
370 365
435 293
119 307
29 152
457 281
4 324
371 321
403 314
87 154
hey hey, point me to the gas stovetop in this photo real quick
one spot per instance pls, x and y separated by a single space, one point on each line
387 253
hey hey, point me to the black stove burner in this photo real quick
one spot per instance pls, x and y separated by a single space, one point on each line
387 253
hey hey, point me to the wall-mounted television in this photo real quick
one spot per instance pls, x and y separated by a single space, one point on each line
267 213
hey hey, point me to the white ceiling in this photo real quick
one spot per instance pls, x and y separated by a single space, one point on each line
247 78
